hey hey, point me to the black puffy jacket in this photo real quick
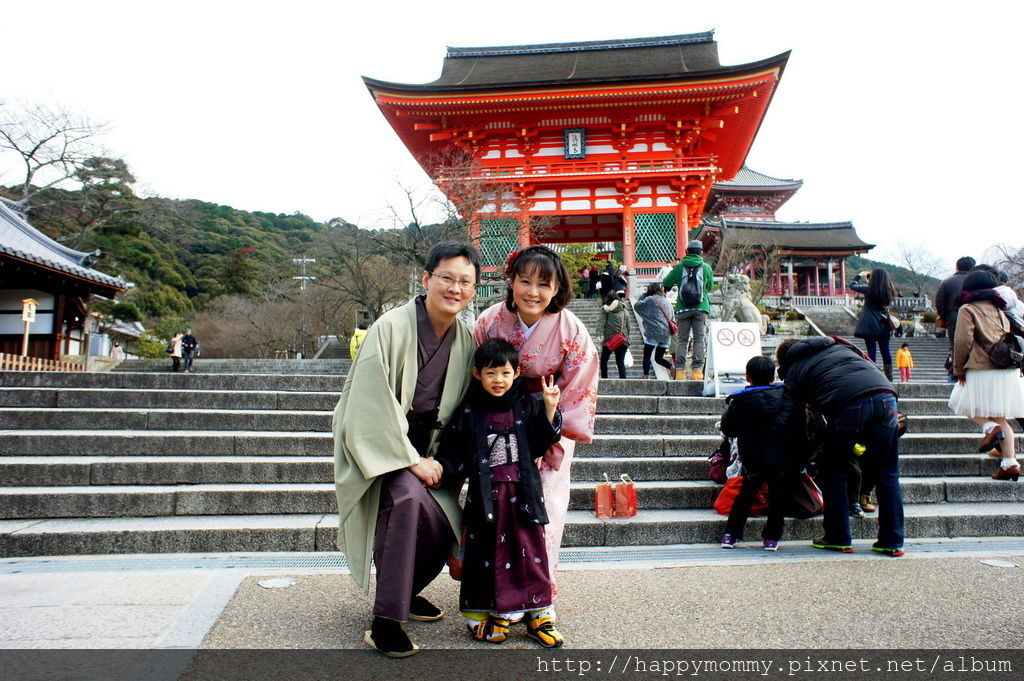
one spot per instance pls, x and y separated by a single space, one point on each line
830 375
769 427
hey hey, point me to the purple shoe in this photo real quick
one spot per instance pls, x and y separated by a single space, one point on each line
728 541
771 545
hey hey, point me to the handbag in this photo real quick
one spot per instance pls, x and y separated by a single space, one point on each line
627 359
673 328
625 497
724 501
618 339
1008 351
892 320
718 462
604 504
615 341
804 499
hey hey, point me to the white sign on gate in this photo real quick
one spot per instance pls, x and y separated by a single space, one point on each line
732 344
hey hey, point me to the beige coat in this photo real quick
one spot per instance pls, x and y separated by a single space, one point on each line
978 326
370 426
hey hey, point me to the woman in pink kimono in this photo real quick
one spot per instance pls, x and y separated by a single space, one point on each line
551 341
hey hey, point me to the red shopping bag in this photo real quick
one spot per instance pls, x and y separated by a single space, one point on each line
723 504
625 497
604 503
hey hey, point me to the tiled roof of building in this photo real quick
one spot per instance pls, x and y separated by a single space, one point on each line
794 236
467 68
748 178
22 241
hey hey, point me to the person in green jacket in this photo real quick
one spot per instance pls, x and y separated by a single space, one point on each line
695 280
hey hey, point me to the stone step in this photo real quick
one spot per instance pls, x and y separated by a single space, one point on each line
593 469
313 443
323 383
326 401
318 532
911 444
37 471
693 388
702 494
242 366
190 383
695 526
651 404
277 421
169 442
167 399
98 501
77 471
32 418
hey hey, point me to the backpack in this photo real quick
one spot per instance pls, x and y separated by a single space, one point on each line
691 287
1007 352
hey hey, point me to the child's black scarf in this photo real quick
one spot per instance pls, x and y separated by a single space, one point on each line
486 402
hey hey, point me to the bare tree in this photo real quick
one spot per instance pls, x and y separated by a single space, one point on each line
358 274
467 192
49 144
922 264
1009 259
765 259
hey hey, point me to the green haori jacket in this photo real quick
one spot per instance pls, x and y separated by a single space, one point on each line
370 427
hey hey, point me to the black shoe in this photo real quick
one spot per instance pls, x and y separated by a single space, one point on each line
387 637
422 610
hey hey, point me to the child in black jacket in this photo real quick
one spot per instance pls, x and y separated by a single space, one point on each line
768 425
494 439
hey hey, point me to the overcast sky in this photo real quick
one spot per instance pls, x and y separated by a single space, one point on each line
904 117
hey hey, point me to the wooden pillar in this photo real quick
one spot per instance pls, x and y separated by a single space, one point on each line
789 268
628 237
817 278
842 274
58 327
831 279
683 229
524 228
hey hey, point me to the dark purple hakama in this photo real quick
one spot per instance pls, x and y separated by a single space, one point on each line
505 567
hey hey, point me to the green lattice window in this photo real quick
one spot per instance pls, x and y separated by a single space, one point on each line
498 238
655 237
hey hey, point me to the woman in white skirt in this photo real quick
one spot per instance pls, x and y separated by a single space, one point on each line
983 393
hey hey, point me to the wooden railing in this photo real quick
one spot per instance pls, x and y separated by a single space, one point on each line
19 363
561 168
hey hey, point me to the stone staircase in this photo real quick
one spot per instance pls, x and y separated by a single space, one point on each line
588 310
243 366
135 462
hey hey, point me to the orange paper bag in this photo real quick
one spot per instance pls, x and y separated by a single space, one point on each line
603 499
625 497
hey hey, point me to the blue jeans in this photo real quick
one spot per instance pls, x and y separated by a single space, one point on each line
883 345
872 422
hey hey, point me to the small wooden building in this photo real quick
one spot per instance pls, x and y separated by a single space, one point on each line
32 265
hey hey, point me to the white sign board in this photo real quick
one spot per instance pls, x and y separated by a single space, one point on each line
732 344
28 310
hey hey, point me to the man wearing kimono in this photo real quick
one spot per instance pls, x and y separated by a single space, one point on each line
411 373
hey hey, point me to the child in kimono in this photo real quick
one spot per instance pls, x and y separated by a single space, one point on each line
494 439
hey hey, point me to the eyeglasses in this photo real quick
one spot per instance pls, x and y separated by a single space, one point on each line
448 281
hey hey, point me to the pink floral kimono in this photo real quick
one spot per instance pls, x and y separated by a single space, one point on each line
561 345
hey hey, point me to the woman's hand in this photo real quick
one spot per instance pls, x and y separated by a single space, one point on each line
961 379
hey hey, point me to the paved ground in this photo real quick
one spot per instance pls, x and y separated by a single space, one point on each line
942 595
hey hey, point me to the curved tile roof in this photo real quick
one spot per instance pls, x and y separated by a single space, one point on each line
559 64
20 240
748 178
794 236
